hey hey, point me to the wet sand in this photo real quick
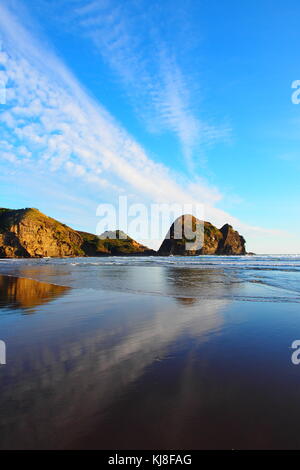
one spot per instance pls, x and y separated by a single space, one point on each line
108 369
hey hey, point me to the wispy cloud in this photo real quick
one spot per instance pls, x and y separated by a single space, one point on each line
131 42
49 114
52 125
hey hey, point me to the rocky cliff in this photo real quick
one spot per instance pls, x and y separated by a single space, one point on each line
231 243
211 240
29 233
26 233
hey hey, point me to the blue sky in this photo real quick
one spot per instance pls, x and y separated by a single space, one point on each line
161 101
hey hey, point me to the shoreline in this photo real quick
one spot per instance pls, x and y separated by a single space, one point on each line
139 255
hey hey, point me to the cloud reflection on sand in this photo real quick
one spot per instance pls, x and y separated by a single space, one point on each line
87 367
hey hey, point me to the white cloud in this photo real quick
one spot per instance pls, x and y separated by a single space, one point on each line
148 70
52 118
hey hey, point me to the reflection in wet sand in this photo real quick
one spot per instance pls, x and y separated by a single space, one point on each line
116 370
159 280
175 281
187 300
77 379
17 292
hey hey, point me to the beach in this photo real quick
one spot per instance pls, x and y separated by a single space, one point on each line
150 353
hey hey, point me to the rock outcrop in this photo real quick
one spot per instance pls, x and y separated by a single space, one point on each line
26 233
112 244
29 233
231 243
208 239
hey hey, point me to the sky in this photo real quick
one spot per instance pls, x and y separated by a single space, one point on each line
159 102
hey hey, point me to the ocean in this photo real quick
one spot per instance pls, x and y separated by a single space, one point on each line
150 353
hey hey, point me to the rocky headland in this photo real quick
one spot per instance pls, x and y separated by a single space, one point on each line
223 241
28 233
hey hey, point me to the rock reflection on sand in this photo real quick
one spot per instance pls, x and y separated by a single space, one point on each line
79 378
26 293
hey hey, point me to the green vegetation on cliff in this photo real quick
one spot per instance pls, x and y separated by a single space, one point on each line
29 233
106 244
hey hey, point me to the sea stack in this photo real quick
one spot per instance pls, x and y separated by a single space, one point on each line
223 241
